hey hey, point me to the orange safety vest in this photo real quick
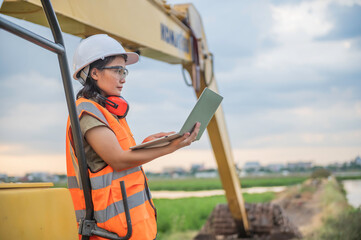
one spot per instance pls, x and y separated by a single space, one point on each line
106 193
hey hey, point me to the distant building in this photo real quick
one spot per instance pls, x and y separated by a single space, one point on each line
252 166
335 165
3 177
275 167
174 172
209 173
299 166
196 168
40 177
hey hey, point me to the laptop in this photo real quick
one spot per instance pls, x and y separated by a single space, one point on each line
202 112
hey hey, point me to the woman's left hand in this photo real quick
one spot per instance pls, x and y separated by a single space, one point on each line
186 139
157 135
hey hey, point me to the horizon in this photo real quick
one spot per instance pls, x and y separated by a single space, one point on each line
207 160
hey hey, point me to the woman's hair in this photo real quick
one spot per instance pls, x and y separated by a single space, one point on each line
90 88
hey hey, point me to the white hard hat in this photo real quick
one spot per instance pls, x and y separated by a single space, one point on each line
94 48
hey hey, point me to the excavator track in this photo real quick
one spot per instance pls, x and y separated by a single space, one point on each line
266 221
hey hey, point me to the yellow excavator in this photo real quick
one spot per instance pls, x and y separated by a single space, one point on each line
173 34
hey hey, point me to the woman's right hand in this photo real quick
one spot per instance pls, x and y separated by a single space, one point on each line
186 139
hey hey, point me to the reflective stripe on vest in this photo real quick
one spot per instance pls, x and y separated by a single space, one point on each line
104 180
89 107
75 181
116 208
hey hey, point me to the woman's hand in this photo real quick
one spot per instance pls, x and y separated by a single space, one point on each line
186 139
155 136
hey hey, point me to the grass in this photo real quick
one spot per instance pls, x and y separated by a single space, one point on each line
197 184
346 226
272 181
339 220
178 235
61 185
340 178
189 214
334 198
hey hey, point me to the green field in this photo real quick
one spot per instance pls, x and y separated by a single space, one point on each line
187 214
197 184
341 178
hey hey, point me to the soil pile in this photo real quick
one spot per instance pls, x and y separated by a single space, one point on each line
310 204
266 221
303 205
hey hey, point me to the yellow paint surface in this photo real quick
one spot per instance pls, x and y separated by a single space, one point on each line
35 212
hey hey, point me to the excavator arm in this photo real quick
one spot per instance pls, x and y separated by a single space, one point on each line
158 31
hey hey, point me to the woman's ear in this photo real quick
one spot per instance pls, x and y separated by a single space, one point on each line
94 73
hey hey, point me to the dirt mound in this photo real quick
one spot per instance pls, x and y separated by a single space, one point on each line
266 221
308 205
303 205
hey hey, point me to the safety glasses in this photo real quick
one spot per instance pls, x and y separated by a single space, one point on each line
119 70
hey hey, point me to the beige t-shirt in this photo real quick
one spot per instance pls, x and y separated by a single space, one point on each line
95 163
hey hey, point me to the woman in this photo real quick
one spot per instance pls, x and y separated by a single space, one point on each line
100 65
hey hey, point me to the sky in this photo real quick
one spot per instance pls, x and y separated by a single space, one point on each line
289 71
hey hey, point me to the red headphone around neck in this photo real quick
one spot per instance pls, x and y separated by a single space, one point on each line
116 105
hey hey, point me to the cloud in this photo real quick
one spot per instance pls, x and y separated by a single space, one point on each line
345 19
302 21
233 30
318 155
300 74
334 125
35 114
32 57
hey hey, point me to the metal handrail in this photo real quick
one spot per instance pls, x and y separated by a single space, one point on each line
73 115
